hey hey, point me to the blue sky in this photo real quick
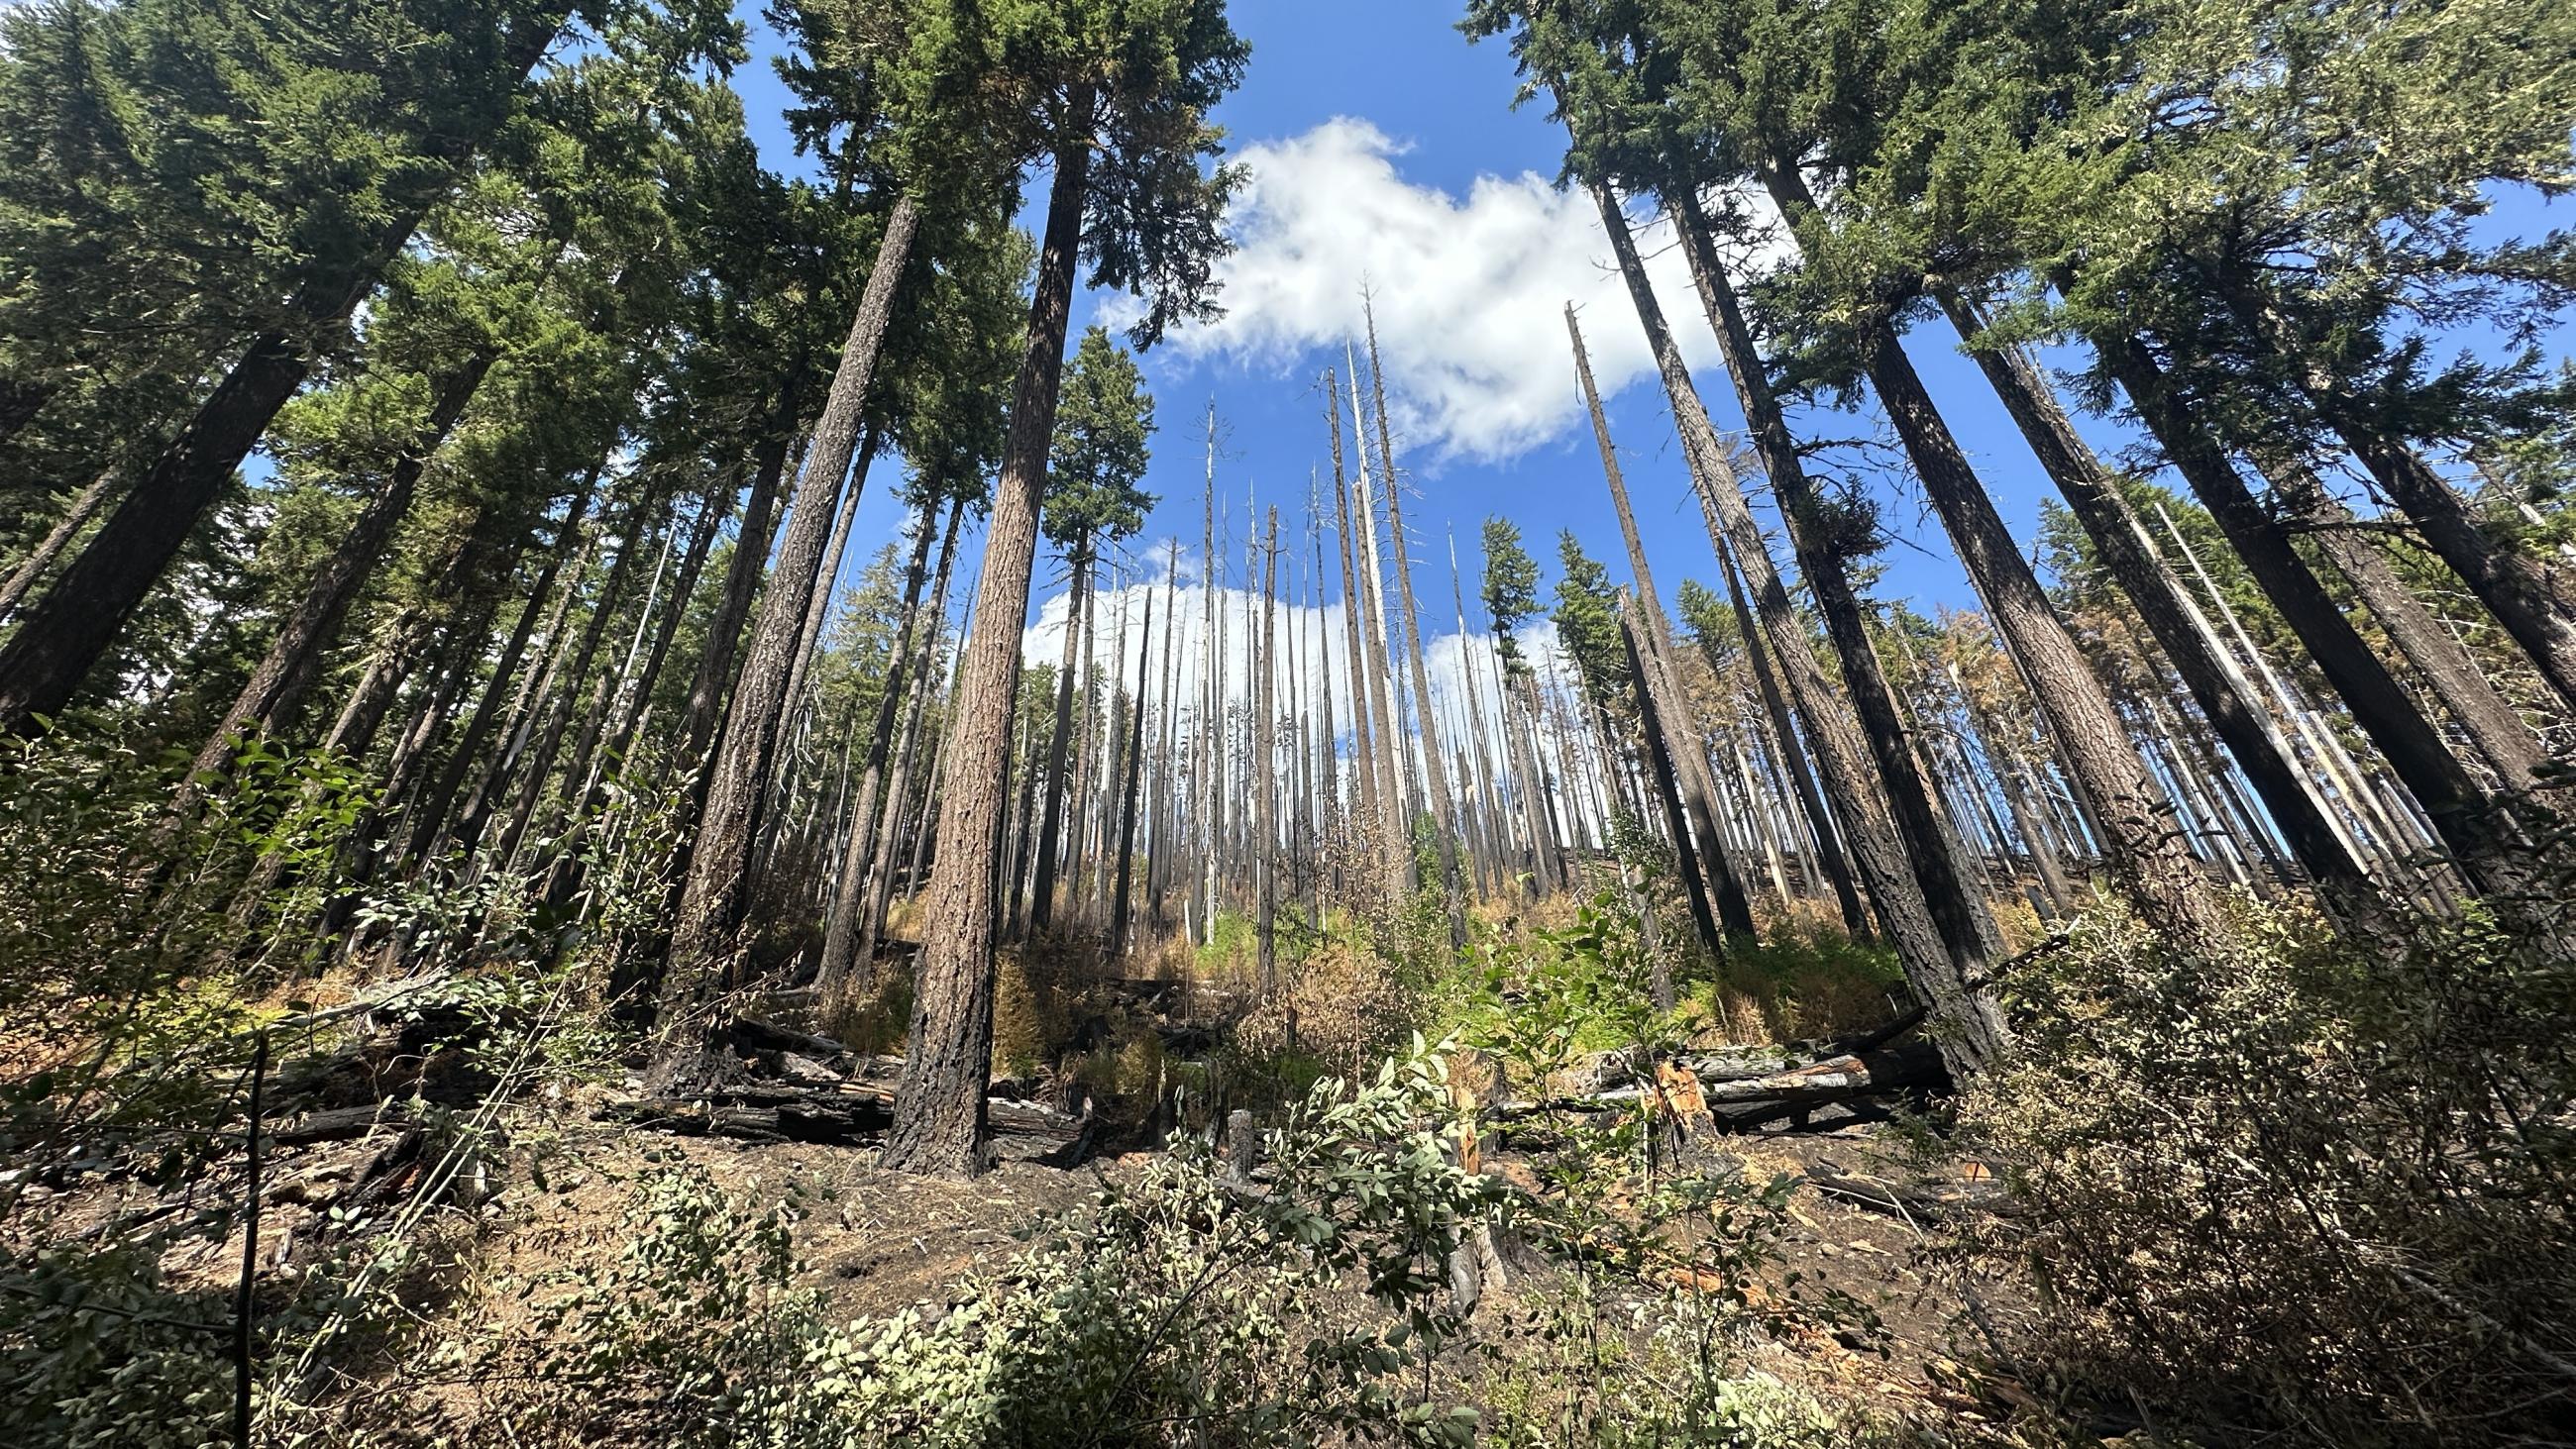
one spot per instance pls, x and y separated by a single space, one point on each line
1385 153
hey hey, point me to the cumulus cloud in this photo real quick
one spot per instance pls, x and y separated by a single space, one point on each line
1310 645
1469 291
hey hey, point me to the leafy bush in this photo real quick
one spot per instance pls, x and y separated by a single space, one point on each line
2313 1187
1593 1393
151 943
1539 1000
97 1354
1181 1308
100 1349
108 896
1316 1304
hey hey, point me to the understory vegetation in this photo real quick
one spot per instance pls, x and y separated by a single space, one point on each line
648 796
2227 1180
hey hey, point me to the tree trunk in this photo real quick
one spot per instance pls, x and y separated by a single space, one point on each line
1547 869
78 619
862 848
1265 770
922 834
2361 806
1676 723
1668 788
430 814
294 657
1935 916
548 738
2466 821
704 712
1489 785
2518 589
495 769
2514 586
711 902
1793 759
2226 698
1204 752
614 702
1373 788
683 588
818 592
1586 808
1158 873
1051 823
1018 881
1396 845
1328 744
879 896
1127 806
2139 845
1444 809
939 1107
2494 727
631 712
1080 849
1300 769
31 568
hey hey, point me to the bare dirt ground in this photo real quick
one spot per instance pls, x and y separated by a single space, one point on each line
874 1242
551 1187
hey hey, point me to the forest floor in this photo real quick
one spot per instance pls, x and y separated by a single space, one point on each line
873 1243
556 1203
504 1182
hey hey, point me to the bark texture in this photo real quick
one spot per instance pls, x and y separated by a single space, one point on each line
711 900
1935 917
939 1108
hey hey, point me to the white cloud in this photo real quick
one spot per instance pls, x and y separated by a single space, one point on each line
1469 293
1310 643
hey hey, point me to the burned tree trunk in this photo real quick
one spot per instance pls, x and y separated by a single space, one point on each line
1051 826
1935 918
711 899
939 1108
1126 852
2468 822
1444 809
1668 788
2224 695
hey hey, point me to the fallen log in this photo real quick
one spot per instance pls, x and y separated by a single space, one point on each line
1620 1070
1137 988
690 1119
1881 1035
338 1124
854 1115
751 1036
763 1112
1915 1064
1834 1079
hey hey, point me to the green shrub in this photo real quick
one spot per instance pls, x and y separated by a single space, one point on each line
109 898
95 1353
1177 1309
2312 1188
1540 1000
